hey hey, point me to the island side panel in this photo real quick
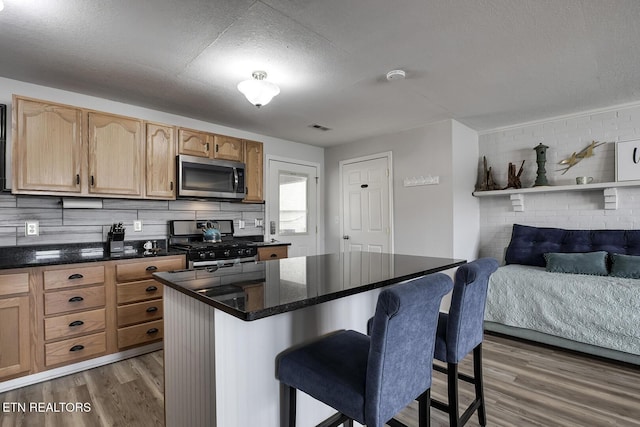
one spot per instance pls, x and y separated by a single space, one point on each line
248 391
189 354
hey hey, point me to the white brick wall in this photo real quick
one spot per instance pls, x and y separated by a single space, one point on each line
573 210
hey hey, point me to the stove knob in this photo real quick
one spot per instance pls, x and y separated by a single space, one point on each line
212 254
202 255
240 251
227 253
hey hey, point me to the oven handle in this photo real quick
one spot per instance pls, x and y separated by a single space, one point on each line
235 180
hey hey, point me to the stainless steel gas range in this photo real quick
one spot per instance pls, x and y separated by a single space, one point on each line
188 236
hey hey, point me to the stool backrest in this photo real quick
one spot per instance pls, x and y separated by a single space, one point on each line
466 314
402 344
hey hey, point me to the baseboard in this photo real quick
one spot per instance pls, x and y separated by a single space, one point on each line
76 367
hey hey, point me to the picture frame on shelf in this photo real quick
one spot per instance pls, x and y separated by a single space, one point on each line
628 160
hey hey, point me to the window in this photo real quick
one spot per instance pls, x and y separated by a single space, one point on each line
293 190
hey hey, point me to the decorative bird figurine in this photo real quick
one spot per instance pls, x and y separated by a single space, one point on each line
576 157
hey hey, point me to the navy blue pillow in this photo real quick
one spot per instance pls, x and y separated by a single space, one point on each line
594 263
625 266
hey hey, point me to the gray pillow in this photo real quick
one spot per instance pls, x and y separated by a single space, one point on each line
594 263
625 266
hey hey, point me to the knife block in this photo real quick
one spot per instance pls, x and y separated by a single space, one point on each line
116 242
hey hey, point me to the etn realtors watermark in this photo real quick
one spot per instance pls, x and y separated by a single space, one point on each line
46 407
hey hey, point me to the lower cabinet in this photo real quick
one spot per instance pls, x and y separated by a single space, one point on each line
15 325
74 314
62 314
139 300
267 253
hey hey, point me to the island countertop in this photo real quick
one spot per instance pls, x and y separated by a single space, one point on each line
255 290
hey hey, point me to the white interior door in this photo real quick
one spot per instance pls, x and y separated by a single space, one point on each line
366 204
293 206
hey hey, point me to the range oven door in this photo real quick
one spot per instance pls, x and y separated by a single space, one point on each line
200 177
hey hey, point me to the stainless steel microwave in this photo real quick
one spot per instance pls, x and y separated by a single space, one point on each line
202 178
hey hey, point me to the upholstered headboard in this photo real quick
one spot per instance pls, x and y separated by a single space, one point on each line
529 244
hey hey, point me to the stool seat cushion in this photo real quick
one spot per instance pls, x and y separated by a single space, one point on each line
332 370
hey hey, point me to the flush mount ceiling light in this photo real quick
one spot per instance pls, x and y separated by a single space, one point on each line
258 91
1 5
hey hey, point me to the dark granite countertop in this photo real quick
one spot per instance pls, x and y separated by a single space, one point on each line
276 243
43 255
292 283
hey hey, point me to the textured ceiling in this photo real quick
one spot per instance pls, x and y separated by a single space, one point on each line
485 63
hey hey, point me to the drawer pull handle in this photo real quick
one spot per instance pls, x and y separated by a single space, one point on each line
77 347
274 255
152 268
151 289
76 323
152 309
152 331
76 299
75 276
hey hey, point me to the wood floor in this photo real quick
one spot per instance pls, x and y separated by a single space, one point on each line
525 385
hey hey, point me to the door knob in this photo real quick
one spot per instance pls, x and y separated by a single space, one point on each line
345 237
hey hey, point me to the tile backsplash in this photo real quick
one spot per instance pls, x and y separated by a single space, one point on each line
58 225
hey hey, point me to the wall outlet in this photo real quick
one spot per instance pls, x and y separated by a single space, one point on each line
32 228
259 222
241 224
137 225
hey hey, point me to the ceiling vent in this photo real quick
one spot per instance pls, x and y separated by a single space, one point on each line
319 127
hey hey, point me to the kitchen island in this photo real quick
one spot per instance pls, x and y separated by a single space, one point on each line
225 326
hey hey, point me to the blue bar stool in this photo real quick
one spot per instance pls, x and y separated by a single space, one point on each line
371 378
460 332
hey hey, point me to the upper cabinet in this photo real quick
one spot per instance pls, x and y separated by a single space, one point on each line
48 147
194 143
67 151
253 154
116 153
227 148
161 163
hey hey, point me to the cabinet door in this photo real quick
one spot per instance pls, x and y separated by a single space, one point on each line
14 336
161 161
116 151
253 154
47 147
194 143
227 148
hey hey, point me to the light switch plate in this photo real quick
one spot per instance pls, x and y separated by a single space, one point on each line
137 225
32 228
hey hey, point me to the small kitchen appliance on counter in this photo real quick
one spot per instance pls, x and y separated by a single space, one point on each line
204 248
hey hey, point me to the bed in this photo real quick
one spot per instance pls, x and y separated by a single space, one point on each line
596 313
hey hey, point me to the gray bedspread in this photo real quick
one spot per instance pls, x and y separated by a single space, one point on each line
597 310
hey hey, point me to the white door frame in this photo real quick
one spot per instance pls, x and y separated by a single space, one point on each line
388 156
319 212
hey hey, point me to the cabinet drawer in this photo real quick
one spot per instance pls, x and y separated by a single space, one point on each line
144 270
73 300
14 284
77 276
73 324
138 291
75 348
140 334
139 312
274 252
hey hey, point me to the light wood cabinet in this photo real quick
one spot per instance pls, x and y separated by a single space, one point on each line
253 158
160 161
194 143
48 147
227 148
139 300
272 252
74 305
116 152
63 150
15 325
